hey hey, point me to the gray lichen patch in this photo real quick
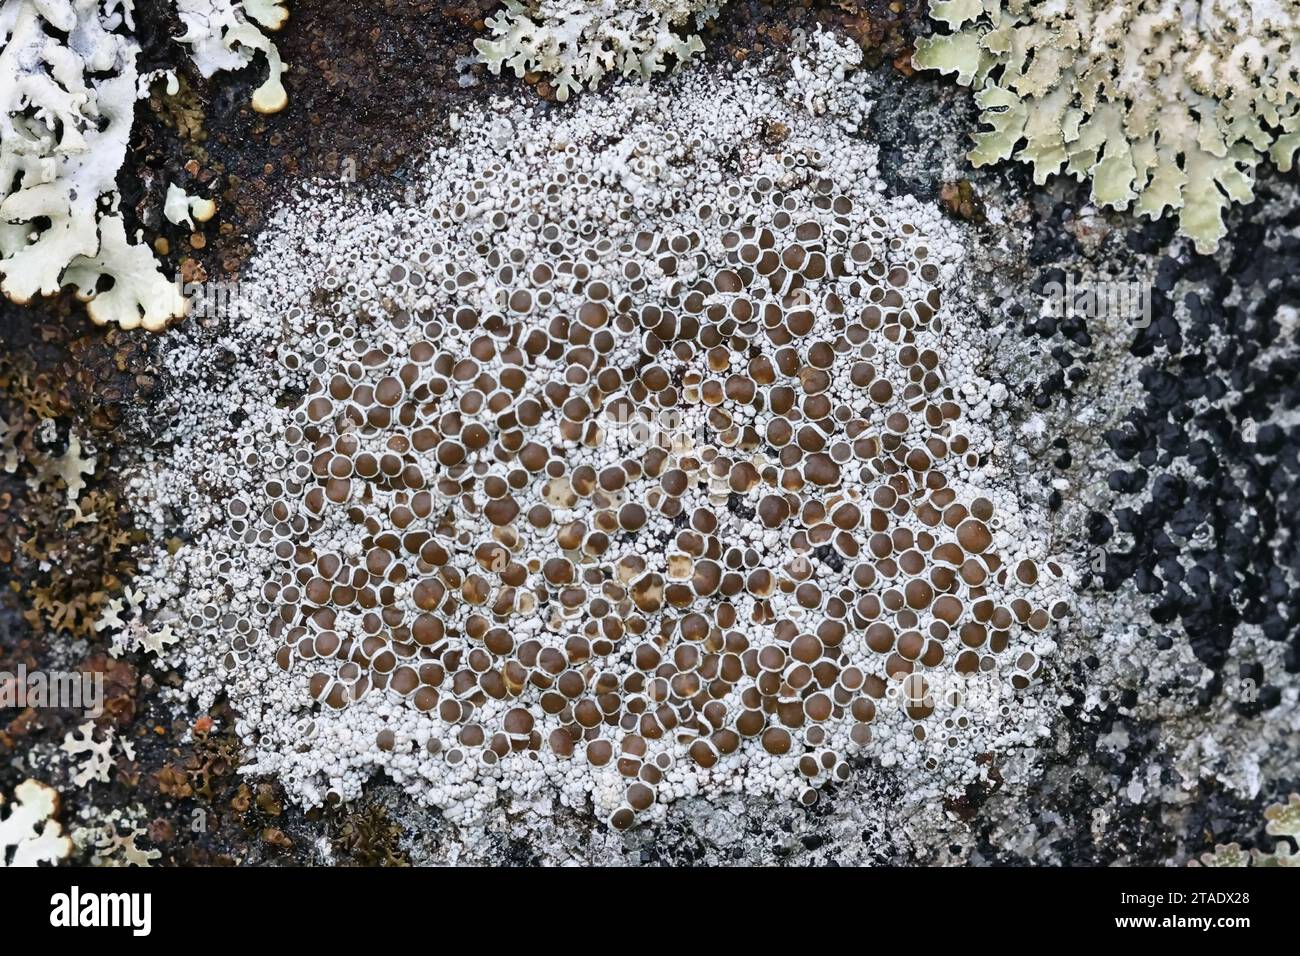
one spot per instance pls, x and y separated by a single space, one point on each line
658 463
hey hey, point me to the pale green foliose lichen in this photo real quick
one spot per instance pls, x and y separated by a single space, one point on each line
1283 821
576 42
1161 104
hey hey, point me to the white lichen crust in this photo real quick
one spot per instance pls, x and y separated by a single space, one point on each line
626 460
1162 105
576 42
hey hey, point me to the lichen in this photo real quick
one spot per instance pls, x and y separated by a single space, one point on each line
81 557
68 537
110 839
221 37
69 82
1161 105
132 634
29 834
1284 818
180 207
576 42
1281 820
569 477
367 836
98 760
65 120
